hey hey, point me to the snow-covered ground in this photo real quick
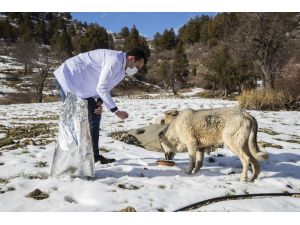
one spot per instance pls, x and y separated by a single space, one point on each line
135 180
194 91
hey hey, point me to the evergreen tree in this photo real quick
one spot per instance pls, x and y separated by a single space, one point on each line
156 41
180 63
7 31
95 37
26 29
223 68
41 32
124 32
62 45
111 44
168 39
133 40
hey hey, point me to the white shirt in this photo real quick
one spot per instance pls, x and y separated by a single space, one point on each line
93 74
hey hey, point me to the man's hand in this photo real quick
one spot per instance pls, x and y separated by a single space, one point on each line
122 115
98 110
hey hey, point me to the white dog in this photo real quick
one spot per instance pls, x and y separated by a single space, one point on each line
199 130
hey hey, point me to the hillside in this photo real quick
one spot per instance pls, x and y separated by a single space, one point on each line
32 43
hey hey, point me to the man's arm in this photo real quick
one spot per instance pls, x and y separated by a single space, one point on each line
110 69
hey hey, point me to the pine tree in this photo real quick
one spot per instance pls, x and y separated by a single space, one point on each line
124 32
26 28
62 45
224 71
95 37
157 41
180 63
41 32
168 39
133 40
111 44
7 31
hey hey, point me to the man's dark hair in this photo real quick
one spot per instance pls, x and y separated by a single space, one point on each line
138 54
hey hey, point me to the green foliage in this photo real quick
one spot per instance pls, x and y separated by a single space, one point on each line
132 40
95 37
166 41
181 63
124 32
26 29
62 45
41 32
220 63
190 33
7 31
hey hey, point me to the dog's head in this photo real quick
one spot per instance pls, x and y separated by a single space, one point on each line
169 116
167 147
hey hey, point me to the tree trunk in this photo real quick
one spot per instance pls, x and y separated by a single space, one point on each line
268 79
40 93
25 69
173 81
226 92
40 87
214 87
174 87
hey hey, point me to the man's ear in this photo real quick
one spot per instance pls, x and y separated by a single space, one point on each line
131 58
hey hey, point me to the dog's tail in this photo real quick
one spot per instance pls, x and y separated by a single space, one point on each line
252 141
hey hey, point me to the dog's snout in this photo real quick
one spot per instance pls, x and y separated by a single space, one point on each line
162 121
169 155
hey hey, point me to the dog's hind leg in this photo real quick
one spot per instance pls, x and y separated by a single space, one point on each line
255 168
239 151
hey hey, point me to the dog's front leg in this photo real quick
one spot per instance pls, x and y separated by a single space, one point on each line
192 149
199 160
191 165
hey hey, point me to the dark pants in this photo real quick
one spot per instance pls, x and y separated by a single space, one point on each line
94 119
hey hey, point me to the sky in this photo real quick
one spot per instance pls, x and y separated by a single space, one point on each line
148 23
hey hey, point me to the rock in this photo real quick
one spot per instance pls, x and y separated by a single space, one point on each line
128 209
128 186
41 164
145 137
70 199
37 195
3 181
148 136
125 137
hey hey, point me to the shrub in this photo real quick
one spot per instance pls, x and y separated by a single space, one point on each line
264 100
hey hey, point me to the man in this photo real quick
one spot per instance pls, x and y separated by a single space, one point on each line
91 76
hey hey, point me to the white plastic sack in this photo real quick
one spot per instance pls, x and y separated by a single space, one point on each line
73 154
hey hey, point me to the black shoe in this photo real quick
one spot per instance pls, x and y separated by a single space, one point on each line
103 160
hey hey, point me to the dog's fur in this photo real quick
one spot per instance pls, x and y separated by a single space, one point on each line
199 130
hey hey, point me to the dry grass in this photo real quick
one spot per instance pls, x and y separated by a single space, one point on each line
16 98
264 100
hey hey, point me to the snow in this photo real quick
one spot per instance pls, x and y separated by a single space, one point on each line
7 62
154 187
193 92
6 89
